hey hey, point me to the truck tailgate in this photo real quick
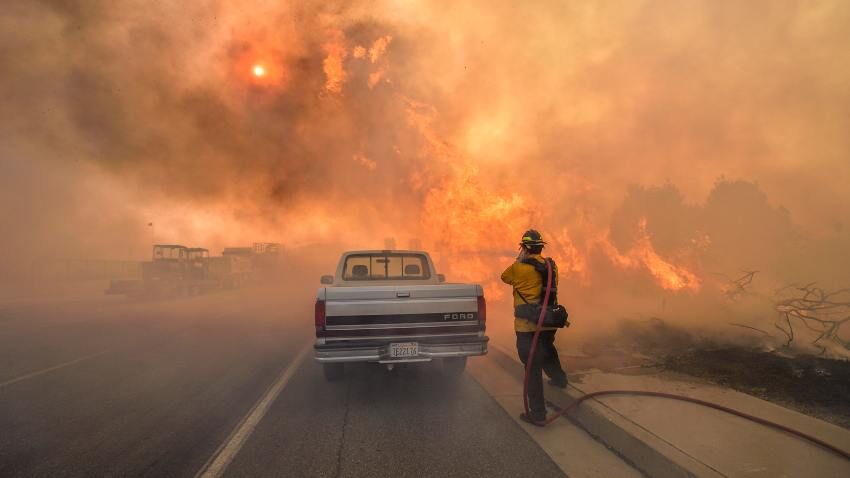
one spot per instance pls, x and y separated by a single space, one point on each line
390 312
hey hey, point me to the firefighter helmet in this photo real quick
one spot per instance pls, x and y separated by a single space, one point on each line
532 238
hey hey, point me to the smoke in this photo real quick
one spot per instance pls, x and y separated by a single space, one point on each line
611 127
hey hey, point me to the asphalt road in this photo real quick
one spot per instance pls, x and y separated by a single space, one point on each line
108 387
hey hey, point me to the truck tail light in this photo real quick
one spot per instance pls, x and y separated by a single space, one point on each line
482 310
320 317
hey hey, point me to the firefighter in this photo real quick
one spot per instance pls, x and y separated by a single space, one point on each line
528 287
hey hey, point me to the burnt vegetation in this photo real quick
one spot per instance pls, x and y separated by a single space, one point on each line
818 310
813 385
740 286
821 313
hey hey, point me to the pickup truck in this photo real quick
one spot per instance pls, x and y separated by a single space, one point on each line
390 307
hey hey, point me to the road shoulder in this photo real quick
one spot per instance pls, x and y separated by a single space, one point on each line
575 452
669 438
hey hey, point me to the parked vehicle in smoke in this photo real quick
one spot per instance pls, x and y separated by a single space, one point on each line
390 307
177 270
267 260
233 268
263 260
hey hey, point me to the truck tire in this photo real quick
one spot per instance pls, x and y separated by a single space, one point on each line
334 371
454 366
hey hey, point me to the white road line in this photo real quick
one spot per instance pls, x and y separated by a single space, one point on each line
50 369
217 464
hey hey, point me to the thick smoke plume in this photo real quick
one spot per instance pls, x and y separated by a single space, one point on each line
662 147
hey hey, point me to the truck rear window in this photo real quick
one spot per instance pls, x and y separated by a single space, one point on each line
386 266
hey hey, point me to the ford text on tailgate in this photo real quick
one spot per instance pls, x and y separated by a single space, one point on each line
390 307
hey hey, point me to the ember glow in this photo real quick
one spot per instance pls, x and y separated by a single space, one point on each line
259 71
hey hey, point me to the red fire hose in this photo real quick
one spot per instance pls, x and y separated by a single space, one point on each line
844 454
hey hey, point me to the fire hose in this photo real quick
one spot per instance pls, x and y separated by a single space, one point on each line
572 406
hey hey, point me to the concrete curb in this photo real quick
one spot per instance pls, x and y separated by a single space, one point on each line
642 449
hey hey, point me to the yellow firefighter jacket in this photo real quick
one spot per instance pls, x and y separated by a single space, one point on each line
526 280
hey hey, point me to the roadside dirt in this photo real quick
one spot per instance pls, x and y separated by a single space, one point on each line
812 385
816 386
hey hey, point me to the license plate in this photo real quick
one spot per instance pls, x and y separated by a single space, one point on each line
404 350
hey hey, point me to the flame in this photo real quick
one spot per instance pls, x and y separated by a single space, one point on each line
642 254
472 225
259 71
465 220
374 55
334 62
379 47
572 262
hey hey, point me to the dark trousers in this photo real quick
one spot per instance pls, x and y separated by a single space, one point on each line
545 360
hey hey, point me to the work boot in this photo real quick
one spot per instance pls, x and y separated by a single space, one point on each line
538 421
558 383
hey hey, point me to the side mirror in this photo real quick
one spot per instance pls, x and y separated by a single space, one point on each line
326 279
441 277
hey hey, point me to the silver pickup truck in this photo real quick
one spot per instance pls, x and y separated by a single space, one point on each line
390 307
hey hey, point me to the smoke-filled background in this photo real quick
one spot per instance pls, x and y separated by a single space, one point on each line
663 148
